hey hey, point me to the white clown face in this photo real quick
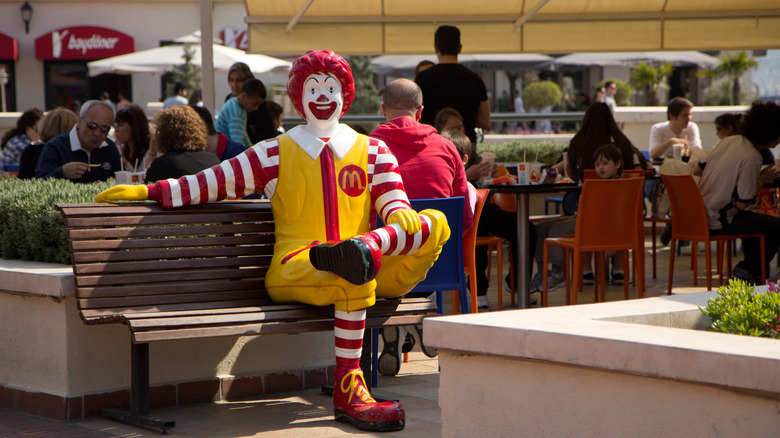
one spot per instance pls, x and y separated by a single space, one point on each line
322 99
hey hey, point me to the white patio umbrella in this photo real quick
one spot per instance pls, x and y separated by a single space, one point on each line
629 59
405 64
162 59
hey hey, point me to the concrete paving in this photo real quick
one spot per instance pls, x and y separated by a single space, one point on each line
310 413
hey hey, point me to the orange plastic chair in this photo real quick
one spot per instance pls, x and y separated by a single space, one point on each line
600 229
689 222
627 173
470 242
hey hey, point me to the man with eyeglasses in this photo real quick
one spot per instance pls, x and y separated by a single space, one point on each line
84 154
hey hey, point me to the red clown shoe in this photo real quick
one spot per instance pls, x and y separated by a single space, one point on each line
353 404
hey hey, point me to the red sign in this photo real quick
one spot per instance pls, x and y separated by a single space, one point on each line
235 38
83 42
9 48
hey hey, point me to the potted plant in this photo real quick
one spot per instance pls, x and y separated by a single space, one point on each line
740 309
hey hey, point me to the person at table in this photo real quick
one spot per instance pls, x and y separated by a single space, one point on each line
132 135
259 123
727 125
728 187
85 154
431 168
323 179
55 122
16 140
608 163
181 138
598 128
217 142
678 129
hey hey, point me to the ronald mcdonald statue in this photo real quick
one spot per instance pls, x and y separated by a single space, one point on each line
323 179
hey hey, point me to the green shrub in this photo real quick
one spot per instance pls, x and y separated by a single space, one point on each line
518 151
739 310
30 227
538 95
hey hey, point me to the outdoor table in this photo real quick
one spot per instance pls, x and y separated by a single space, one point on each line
521 192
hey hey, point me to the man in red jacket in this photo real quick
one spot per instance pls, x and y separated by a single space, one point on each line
431 167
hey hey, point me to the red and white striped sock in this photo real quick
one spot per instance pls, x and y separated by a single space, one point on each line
348 328
392 240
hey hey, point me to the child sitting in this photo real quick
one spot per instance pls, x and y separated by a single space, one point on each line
607 161
232 117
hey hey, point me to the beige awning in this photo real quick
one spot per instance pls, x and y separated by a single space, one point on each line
375 27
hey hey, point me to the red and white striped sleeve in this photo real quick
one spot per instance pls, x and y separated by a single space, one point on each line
384 180
254 171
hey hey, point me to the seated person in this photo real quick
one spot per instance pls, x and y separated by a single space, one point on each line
677 130
55 122
223 147
232 120
181 139
16 140
85 154
730 183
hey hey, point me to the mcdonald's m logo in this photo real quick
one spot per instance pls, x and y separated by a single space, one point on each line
352 180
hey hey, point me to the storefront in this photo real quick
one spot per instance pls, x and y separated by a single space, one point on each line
9 52
65 53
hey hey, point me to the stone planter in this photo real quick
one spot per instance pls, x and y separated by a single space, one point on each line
54 365
629 368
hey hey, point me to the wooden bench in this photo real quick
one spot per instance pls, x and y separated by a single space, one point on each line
191 272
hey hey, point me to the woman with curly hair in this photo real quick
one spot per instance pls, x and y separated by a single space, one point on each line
181 139
131 130
598 128
16 140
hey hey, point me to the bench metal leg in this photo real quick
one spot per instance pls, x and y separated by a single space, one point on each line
139 394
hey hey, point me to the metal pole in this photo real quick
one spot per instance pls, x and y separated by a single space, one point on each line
207 54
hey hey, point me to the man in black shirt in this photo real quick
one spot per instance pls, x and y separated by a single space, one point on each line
449 84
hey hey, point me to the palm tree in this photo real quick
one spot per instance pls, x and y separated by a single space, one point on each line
733 66
651 78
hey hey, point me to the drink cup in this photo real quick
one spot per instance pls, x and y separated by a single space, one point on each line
125 177
677 148
488 157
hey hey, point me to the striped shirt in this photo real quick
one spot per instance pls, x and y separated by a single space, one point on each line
257 171
232 122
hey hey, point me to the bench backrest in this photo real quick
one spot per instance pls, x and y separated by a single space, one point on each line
141 257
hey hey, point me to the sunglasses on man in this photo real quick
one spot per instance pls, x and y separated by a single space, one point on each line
92 126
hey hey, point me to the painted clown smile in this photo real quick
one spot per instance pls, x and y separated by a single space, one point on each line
322 111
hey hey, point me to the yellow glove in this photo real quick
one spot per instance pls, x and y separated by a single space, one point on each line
407 220
123 193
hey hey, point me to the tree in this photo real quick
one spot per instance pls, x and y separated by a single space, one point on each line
187 73
733 66
650 78
366 95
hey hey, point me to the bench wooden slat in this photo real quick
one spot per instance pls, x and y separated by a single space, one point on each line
136 208
265 329
104 245
252 284
147 301
169 265
162 219
206 312
156 280
93 316
119 233
267 314
167 254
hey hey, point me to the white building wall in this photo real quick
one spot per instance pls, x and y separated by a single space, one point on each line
147 22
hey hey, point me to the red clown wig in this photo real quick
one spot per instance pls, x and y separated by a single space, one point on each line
320 62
